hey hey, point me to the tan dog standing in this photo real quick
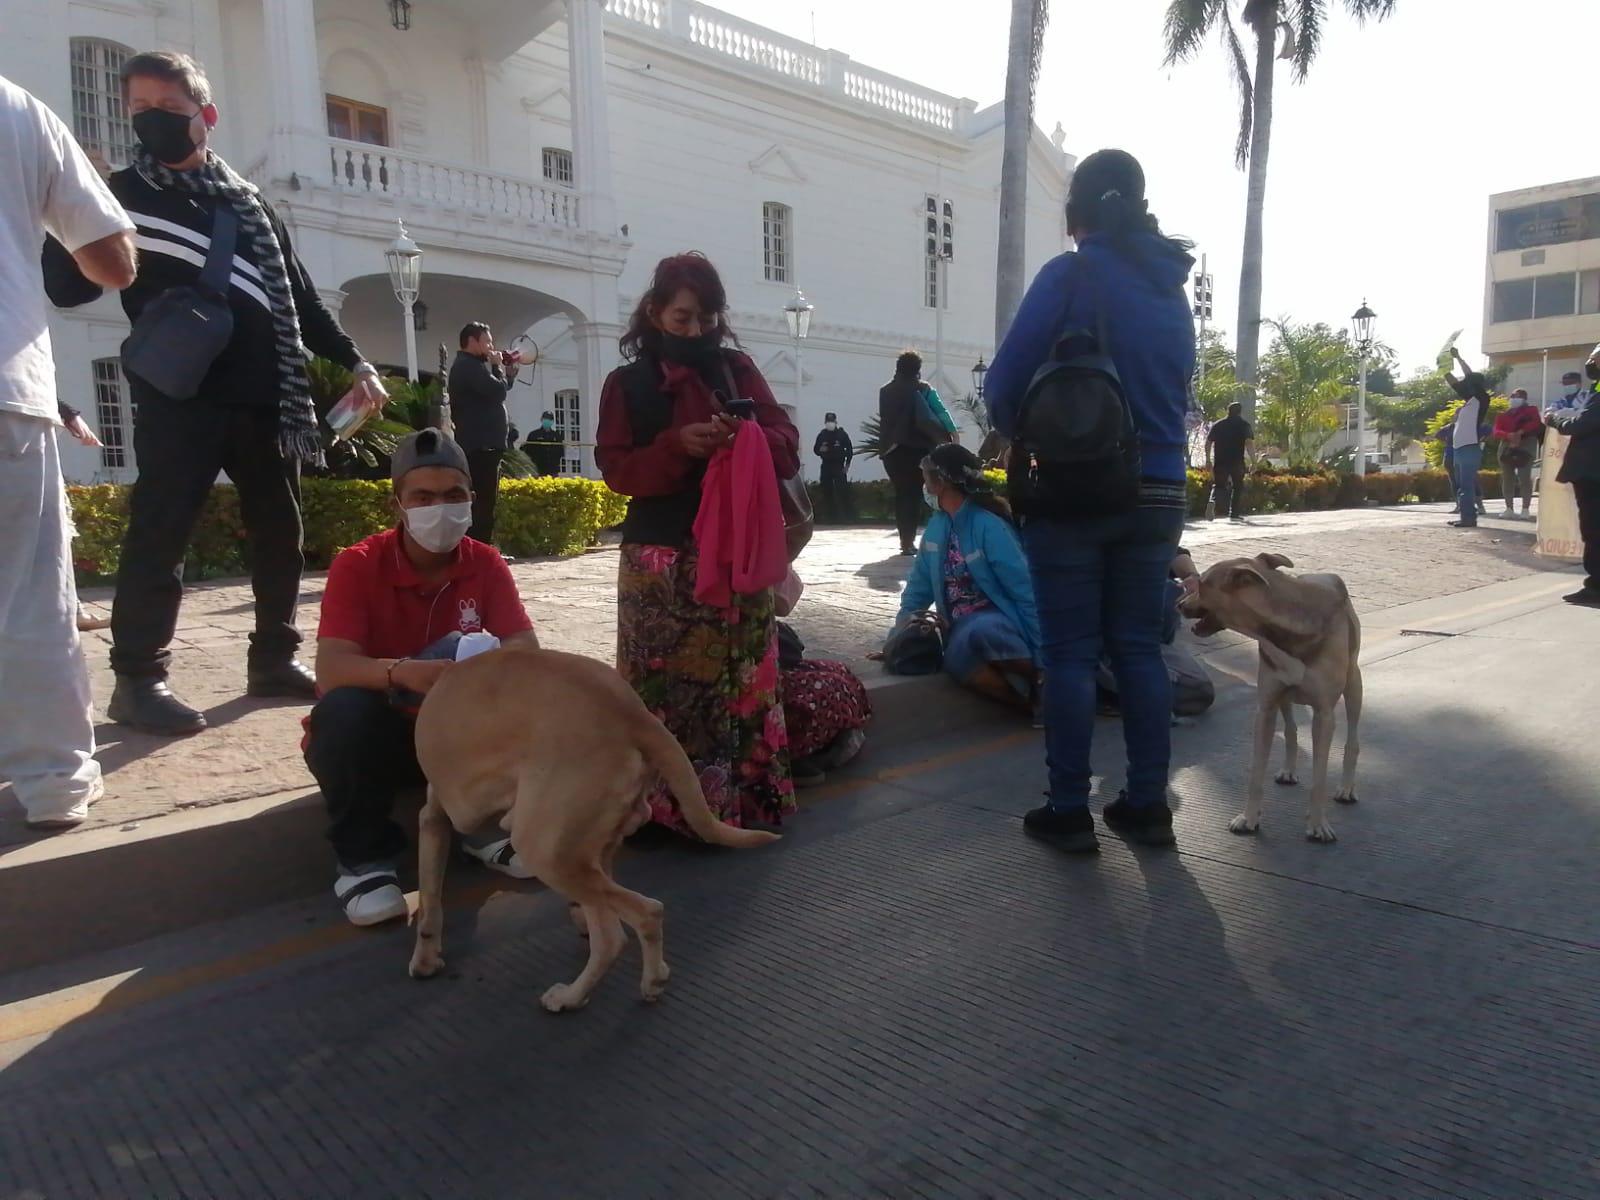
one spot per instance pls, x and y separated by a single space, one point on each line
1310 641
563 752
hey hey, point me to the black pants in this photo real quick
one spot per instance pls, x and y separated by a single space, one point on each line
1228 492
1587 492
362 751
484 467
181 446
836 503
904 467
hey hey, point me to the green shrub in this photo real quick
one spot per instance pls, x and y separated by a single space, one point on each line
534 517
1301 490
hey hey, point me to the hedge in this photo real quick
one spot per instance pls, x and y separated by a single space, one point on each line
534 517
1265 491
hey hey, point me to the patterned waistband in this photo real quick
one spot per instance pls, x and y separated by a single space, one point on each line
1163 493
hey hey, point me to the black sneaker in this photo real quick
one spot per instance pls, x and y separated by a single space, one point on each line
1069 829
145 703
1149 825
1584 597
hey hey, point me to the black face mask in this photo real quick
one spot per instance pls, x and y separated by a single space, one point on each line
691 351
165 134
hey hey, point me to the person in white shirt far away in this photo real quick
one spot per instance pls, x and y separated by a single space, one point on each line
46 718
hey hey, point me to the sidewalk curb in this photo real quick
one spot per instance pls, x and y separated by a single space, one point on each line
99 889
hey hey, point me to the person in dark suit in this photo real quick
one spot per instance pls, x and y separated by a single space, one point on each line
480 377
835 449
1581 468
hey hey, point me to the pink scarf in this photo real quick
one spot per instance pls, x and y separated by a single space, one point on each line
739 527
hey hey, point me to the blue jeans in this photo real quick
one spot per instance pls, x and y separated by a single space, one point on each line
1101 582
1468 460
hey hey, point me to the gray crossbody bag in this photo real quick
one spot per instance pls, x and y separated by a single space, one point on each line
182 331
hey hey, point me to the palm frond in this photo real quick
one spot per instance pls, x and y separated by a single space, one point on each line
1376 10
1186 26
1307 22
1041 19
1247 91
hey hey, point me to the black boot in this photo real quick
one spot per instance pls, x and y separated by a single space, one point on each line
1149 824
1069 829
145 703
290 677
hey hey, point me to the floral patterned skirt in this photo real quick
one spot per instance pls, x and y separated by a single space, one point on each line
711 676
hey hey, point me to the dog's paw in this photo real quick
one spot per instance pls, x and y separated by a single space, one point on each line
426 964
1286 778
1344 797
562 998
651 988
1319 831
1242 824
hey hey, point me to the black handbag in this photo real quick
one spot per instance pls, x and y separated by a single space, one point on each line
916 648
182 331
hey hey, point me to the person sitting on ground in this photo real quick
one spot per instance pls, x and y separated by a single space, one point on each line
544 446
393 611
1518 430
825 706
972 572
1192 689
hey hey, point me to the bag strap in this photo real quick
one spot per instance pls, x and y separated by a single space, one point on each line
1102 338
219 258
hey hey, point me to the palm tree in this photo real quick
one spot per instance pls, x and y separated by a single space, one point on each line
1188 24
1028 20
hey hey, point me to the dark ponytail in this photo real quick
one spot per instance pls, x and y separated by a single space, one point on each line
1106 196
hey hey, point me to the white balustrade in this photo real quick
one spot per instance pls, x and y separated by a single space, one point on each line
721 33
382 171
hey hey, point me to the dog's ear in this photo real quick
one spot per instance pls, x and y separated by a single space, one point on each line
1243 575
1271 561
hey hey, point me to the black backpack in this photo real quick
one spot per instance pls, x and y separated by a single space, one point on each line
1076 453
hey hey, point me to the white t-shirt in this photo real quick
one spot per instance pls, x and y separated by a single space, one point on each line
46 184
1467 417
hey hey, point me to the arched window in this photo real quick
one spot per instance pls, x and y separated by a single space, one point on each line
777 242
99 117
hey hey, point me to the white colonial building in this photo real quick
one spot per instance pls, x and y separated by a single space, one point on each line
545 154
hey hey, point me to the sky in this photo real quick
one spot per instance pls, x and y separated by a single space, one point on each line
1382 162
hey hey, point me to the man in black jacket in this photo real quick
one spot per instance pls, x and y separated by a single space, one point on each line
835 449
1581 468
252 416
478 387
545 446
907 430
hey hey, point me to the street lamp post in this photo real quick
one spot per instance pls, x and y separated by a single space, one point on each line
798 314
405 275
1361 322
980 371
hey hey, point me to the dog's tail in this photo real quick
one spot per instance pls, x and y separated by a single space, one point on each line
662 751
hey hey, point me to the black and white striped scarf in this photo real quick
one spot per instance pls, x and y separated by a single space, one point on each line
297 418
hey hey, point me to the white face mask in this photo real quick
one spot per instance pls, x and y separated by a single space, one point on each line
831 426
439 527
1518 401
1572 390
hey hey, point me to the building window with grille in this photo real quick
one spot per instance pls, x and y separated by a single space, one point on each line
569 424
355 121
99 117
777 242
113 411
558 165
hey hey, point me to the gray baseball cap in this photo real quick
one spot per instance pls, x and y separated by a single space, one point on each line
427 448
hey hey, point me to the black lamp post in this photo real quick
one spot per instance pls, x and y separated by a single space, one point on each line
400 14
980 371
1361 322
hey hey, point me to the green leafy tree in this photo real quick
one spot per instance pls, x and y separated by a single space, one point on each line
1305 377
1188 24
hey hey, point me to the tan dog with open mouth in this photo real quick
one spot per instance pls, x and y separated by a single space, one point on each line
1310 641
563 751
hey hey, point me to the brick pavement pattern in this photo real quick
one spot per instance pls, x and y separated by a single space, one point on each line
853 579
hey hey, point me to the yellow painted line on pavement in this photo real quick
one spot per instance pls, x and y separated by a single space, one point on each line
46 1014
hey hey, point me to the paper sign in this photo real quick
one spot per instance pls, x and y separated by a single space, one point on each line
1558 508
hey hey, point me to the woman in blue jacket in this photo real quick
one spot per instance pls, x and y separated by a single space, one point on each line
1102 581
972 572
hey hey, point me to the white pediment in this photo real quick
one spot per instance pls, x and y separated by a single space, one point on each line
775 163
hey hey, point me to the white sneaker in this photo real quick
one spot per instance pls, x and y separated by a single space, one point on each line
66 812
499 856
370 894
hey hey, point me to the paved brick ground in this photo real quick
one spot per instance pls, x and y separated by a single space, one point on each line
906 998
1387 557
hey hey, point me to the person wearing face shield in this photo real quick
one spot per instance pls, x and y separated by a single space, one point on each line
394 613
250 411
